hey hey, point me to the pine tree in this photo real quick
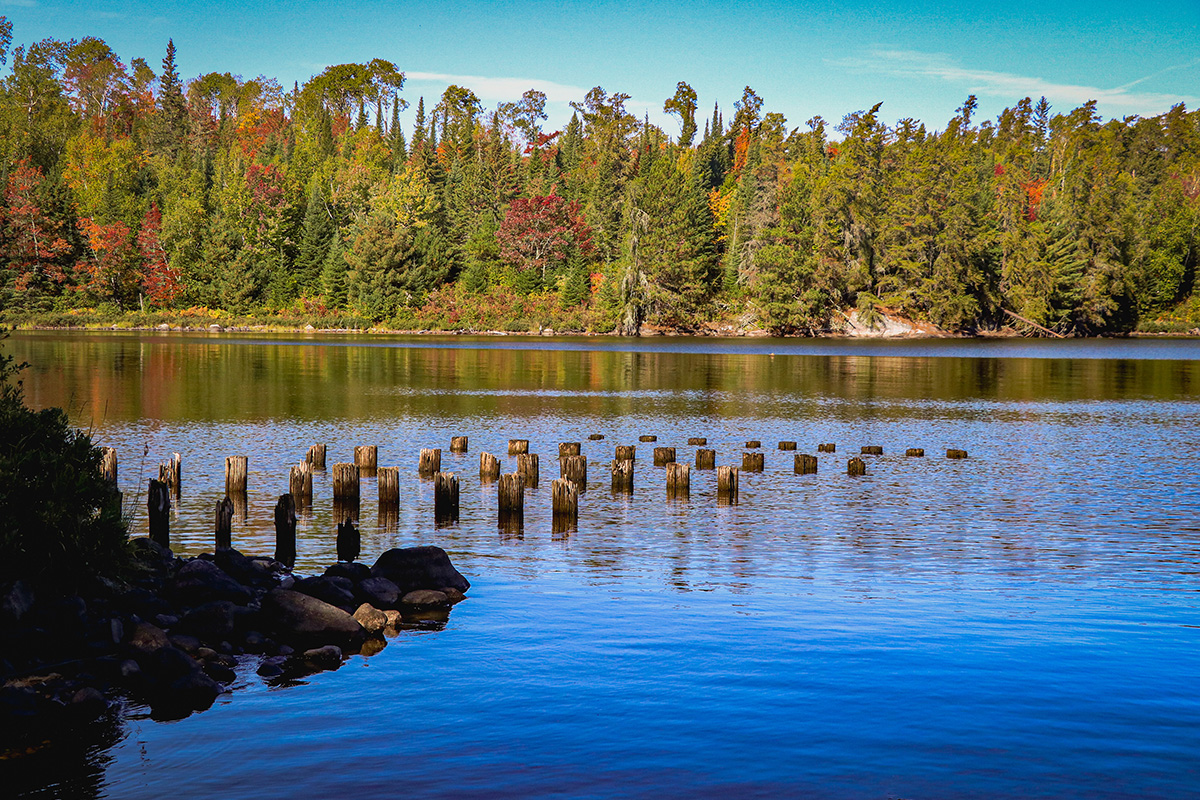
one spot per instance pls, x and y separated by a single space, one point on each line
170 129
316 236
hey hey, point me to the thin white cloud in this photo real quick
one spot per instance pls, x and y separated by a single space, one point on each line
936 66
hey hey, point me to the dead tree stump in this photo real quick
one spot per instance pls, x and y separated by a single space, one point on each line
915 452
679 480
706 459
300 484
158 504
366 456
430 463
517 447
389 487
445 497
349 541
568 449
345 481
805 464
316 456
622 476
828 447
169 472
856 466
752 462
872 450
235 475
956 454
285 531
489 468
787 445
510 493
108 465
458 444
574 469
727 485
565 499
697 441
223 523
527 466
664 456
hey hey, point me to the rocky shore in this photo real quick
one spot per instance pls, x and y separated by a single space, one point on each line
172 632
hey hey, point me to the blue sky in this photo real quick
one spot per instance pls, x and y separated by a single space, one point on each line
920 58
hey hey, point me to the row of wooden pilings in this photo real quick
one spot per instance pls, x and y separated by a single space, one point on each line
565 490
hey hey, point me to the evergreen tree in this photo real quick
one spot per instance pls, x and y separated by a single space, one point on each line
170 130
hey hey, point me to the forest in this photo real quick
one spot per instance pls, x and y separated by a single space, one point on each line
133 192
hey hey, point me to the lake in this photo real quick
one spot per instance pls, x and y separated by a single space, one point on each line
1025 622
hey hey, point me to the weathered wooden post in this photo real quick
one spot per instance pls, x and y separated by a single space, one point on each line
527 466
445 497
706 459
787 445
595 437
430 463
697 441
108 465
349 541
510 502
565 500
241 506
805 464
752 462
489 468
872 450
300 484
518 446
158 504
626 452
915 452
169 472
648 438
828 447
389 487
664 456
285 531
235 475
679 480
458 444
223 523
568 449
727 485
956 454
316 456
366 456
345 481
574 469
752 444
622 476
856 466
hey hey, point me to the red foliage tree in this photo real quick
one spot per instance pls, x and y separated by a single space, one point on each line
113 271
539 232
160 282
33 242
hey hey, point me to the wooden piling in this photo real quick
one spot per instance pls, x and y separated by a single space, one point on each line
753 443
316 456
158 504
664 456
527 465
300 484
752 462
458 444
647 438
349 541
568 449
626 452
430 463
345 481
169 472
872 450
596 437
787 445
805 464
223 523
914 452
706 459
510 493
445 497
697 441
565 498
489 468
679 480
956 454
389 486
727 485
285 530
828 447
622 476
574 469
108 464
235 474
366 456
856 466
517 447
241 506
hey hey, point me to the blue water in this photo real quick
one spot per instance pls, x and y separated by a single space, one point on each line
1022 623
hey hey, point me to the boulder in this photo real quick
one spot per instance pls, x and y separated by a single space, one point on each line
210 622
188 644
352 571
150 552
336 591
372 619
296 617
146 638
249 571
412 568
393 618
327 657
379 592
219 672
201 581
143 602
89 702
425 597
453 595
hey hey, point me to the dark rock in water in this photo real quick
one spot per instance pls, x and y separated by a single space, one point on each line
150 552
188 644
453 595
219 672
89 702
199 581
327 657
336 591
147 638
167 664
296 617
211 622
244 569
425 597
412 568
372 619
379 592
194 692
15 602
353 571
176 684
270 669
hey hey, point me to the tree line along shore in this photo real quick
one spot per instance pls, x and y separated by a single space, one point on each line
134 197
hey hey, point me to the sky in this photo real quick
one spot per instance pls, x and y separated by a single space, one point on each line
921 59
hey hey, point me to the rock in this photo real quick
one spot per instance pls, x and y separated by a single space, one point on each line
255 642
143 602
425 597
151 552
296 617
379 592
248 571
16 601
353 571
210 622
166 621
116 630
188 644
200 581
176 683
393 618
219 672
195 692
269 670
334 590
167 664
327 657
146 638
453 595
205 653
89 702
372 619
412 568
129 669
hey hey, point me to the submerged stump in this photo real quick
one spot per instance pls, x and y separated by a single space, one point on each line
316 456
664 456
679 480
489 467
856 466
914 452
805 464
752 462
430 462
574 469
872 450
458 444
622 476
569 449
518 446
787 445
345 481
828 447
697 441
596 437
648 438
527 467
706 459
727 485
956 454
445 497
236 468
